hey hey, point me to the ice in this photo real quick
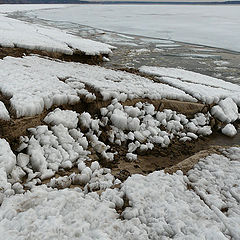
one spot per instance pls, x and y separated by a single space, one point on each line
159 205
67 118
14 33
7 157
226 111
229 130
131 156
167 209
28 98
216 180
4 114
175 21
151 127
119 119
204 88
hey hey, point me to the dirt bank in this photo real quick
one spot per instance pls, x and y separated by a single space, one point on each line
78 56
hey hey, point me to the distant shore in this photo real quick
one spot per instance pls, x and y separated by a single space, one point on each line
114 2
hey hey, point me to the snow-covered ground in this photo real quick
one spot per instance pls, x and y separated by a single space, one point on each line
38 83
204 204
204 88
15 33
216 26
52 188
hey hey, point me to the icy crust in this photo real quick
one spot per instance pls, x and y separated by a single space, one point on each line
204 204
4 114
168 210
204 88
32 91
189 76
216 179
65 214
14 33
36 84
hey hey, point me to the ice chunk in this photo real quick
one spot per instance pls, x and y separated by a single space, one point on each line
226 111
4 114
229 130
67 118
7 157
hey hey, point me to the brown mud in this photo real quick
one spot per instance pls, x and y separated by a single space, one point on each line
77 56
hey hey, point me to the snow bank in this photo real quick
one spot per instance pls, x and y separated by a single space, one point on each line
14 33
204 88
36 84
4 114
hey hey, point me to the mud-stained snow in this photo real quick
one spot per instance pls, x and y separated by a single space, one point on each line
205 88
34 84
14 33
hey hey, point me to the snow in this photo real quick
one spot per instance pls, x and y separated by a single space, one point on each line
67 118
14 33
4 114
205 88
229 130
7 163
142 126
216 180
7 158
29 98
160 206
226 111
176 21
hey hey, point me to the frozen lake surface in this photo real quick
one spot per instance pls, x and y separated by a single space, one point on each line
216 26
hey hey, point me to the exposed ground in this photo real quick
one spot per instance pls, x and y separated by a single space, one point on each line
76 57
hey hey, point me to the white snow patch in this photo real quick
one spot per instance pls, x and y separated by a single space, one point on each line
14 33
4 114
204 88
33 84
